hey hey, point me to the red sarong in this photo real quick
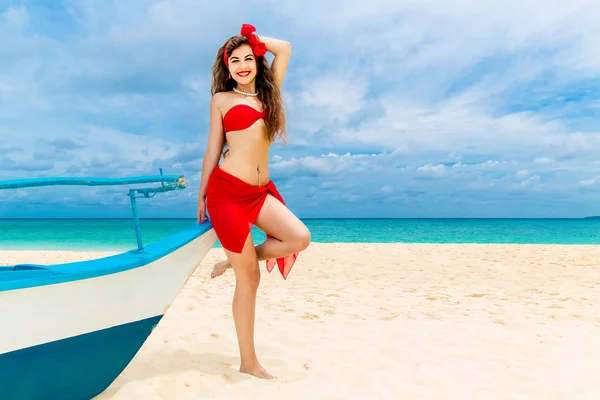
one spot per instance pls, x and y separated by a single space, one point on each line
233 206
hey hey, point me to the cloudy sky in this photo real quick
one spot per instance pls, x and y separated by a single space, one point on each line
395 108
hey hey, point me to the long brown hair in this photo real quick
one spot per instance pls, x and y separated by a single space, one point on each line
266 86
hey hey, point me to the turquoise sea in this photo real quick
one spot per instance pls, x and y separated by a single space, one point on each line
119 234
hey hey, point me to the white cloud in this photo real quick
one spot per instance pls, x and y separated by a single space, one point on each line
335 96
543 160
531 181
14 195
522 174
326 164
16 17
438 170
590 182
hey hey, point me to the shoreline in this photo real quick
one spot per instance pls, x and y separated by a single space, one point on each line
415 244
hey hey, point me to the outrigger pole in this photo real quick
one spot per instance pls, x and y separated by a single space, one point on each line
168 183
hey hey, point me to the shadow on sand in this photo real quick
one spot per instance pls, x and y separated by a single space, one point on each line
148 365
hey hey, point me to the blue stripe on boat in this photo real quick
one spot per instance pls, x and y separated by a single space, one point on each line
76 368
11 279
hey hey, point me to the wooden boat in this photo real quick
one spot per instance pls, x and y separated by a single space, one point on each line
68 330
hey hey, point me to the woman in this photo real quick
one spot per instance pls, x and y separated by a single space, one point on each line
246 113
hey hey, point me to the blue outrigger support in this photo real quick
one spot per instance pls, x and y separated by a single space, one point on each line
168 183
149 192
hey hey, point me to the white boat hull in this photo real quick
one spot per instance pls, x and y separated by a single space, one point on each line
97 323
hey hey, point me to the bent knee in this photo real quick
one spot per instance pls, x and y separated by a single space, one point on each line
302 239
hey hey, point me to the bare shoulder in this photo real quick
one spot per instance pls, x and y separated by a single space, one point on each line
224 99
219 98
220 101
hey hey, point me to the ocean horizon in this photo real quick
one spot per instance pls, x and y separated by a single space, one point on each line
117 234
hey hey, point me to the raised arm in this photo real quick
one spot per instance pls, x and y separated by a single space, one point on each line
282 51
214 147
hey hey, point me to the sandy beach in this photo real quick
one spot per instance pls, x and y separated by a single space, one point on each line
387 321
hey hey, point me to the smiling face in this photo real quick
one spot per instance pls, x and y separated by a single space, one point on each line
242 64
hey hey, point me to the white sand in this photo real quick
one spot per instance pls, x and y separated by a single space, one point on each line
388 321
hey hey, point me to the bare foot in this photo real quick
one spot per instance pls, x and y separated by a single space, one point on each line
220 268
258 372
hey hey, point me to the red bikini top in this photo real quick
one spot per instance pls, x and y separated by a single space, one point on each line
241 116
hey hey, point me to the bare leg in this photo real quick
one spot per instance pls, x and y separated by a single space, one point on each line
290 234
247 278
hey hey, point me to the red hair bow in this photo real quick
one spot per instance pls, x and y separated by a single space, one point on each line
258 47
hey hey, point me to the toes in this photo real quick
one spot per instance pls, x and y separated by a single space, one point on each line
217 272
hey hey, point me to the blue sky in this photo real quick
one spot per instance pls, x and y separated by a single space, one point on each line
395 109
